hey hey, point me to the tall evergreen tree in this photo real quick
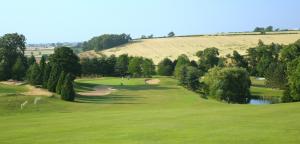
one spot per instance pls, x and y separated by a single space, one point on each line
43 65
67 91
60 82
53 77
18 70
34 74
31 60
46 74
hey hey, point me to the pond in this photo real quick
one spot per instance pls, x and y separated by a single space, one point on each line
264 100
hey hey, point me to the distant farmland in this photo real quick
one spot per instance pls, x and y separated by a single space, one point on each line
159 48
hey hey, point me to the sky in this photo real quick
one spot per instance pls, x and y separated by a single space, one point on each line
50 21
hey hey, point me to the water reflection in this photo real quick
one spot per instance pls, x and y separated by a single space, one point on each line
259 101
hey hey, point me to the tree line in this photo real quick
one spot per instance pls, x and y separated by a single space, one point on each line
105 41
123 65
55 73
227 78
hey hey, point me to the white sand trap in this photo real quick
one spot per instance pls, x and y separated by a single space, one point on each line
33 91
153 81
98 91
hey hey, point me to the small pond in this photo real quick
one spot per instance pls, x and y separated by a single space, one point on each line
264 100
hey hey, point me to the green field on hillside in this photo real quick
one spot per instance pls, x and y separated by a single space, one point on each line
140 113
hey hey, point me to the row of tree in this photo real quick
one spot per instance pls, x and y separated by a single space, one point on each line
106 41
118 66
279 64
58 74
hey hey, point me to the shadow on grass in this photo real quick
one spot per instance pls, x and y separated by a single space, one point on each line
113 98
109 99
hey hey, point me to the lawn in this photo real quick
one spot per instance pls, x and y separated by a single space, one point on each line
149 114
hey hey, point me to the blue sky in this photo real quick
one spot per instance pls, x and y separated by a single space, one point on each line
44 21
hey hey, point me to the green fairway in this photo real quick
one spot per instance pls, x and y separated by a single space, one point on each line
143 114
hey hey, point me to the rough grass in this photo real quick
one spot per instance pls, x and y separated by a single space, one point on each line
159 48
148 114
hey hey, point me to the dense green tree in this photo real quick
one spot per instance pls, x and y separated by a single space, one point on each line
31 60
12 46
18 69
182 60
293 71
43 65
4 70
148 68
53 77
165 67
60 82
67 90
106 41
46 75
261 56
276 76
239 60
228 84
290 52
110 63
121 66
208 58
192 78
34 75
134 67
286 98
66 59
182 76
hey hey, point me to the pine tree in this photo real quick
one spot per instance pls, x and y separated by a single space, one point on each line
35 74
60 82
53 78
42 65
67 91
18 70
31 60
46 74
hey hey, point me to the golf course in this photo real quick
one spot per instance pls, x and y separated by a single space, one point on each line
138 112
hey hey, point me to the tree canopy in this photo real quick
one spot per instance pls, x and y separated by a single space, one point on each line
106 41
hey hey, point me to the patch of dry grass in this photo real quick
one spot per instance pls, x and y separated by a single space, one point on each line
159 48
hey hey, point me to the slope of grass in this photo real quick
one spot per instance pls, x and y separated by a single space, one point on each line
148 114
159 48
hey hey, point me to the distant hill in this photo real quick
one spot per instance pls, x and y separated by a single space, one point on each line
159 48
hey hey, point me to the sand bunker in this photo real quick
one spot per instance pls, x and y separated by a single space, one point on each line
152 81
98 91
33 91
12 82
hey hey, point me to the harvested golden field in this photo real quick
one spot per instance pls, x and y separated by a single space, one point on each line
159 48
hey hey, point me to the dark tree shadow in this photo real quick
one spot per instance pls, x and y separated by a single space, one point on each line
114 98
109 99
